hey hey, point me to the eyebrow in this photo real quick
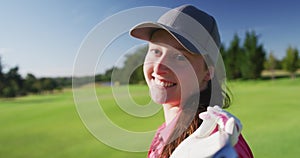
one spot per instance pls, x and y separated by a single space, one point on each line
183 50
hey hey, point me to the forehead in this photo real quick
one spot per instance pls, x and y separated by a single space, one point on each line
162 36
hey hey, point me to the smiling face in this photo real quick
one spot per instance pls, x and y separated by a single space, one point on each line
171 72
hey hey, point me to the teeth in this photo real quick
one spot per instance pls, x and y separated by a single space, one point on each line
163 83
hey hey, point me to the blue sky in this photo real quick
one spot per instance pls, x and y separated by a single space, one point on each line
43 36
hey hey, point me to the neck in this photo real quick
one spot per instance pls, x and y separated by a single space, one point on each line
170 112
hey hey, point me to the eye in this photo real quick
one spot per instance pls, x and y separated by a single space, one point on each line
180 57
156 52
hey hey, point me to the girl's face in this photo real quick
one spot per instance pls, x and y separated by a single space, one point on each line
171 72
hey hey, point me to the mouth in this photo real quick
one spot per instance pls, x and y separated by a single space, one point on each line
163 83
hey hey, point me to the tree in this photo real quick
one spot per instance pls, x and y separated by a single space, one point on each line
1 67
32 84
233 59
271 64
291 60
253 57
223 52
13 83
63 82
108 73
11 90
14 75
132 71
48 84
1 78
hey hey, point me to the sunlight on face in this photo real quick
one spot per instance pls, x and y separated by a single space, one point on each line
169 68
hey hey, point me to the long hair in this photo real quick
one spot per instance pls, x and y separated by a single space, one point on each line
189 121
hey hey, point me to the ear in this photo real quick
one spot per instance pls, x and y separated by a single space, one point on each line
209 73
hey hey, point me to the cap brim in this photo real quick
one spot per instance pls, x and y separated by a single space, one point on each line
145 30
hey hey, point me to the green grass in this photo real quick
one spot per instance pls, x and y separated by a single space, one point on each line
269 111
49 126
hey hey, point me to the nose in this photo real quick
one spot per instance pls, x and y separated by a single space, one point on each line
161 66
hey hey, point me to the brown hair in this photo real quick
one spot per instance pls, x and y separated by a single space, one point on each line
190 117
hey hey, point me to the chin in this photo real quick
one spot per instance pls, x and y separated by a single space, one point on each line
160 98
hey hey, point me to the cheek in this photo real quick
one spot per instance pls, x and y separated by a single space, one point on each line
191 79
147 71
200 70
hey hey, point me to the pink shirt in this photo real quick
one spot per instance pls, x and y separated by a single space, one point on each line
163 133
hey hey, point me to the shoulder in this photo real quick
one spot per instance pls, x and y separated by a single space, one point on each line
242 148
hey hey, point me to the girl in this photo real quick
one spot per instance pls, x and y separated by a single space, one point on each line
181 70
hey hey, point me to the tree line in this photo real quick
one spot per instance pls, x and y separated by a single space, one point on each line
247 60
12 84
